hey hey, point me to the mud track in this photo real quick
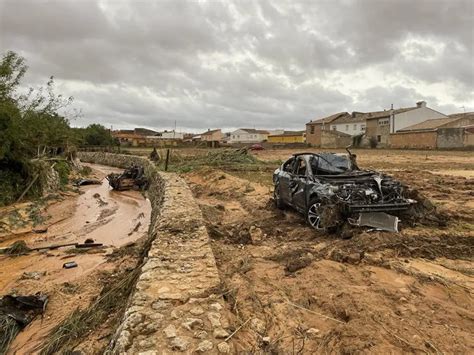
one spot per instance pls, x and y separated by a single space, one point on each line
316 293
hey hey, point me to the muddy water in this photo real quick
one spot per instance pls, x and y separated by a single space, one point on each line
106 216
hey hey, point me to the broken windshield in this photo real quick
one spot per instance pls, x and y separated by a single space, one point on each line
329 163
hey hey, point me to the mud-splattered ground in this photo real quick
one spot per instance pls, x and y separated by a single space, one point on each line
376 292
118 220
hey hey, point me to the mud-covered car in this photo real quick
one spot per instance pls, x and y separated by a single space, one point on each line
330 190
132 178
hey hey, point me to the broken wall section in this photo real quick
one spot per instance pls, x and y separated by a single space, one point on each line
174 305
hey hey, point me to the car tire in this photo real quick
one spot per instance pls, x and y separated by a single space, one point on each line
277 198
312 214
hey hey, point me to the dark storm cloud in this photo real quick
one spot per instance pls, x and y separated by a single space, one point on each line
243 63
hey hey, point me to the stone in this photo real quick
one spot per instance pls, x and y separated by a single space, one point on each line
220 333
204 346
256 234
266 340
196 311
200 334
215 319
313 332
223 347
191 323
215 306
170 331
172 296
157 305
258 325
176 313
179 343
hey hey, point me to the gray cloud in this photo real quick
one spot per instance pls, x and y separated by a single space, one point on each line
230 64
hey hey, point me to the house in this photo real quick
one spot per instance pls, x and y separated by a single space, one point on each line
353 124
214 135
248 135
288 137
314 128
170 135
450 132
381 124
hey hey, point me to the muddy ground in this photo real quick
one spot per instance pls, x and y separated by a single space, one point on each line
118 220
316 293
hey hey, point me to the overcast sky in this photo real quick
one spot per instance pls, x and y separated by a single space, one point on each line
263 64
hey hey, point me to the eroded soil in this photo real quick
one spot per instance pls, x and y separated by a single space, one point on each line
310 292
118 220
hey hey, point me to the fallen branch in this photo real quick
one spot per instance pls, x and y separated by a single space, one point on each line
313 312
235 331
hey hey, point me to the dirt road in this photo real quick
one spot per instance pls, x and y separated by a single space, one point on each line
315 293
108 217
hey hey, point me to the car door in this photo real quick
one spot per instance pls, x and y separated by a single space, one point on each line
284 180
298 183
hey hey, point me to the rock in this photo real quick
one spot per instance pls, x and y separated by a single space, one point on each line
179 343
220 333
266 340
33 275
200 334
223 347
313 333
176 314
40 229
204 346
170 331
403 299
191 323
215 307
157 305
196 311
256 234
258 325
353 258
215 319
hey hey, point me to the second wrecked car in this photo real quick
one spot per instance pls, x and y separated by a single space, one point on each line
132 178
329 189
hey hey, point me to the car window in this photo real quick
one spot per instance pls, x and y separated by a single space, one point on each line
288 166
330 164
300 167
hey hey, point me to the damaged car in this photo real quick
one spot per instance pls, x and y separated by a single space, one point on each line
132 178
330 190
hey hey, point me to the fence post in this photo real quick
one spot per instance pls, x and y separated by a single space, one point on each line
167 159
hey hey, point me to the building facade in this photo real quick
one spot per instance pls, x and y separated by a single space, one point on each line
248 135
214 135
288 137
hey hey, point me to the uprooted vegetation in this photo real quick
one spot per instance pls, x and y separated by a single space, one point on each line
313 292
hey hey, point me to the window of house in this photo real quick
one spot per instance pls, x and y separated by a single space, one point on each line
362 127
383 122
379 139
233 136
355 127
312 130
347 127
334 128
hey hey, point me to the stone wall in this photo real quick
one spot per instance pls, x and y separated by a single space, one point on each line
450 138
423 140
174 307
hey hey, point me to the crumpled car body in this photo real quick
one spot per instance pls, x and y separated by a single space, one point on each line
329 189
132 178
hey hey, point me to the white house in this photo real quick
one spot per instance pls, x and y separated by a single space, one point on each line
354 124
248 135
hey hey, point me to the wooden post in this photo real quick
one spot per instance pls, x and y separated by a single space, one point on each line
167 159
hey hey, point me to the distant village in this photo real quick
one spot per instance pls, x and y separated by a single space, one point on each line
417 127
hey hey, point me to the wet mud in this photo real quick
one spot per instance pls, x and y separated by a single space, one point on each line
313 292
114 219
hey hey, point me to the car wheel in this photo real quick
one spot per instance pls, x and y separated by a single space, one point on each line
277 198
313 214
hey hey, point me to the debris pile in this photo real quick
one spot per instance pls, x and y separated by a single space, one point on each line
16 312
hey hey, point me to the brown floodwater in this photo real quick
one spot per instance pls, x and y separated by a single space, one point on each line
113 218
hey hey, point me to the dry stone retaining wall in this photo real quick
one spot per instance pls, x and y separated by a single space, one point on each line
174 307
